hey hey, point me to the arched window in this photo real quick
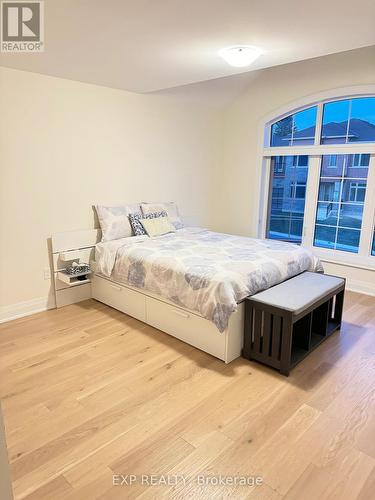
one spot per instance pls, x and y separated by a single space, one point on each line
341 122
320 172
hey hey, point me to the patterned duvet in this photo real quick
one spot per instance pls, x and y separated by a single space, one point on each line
206 272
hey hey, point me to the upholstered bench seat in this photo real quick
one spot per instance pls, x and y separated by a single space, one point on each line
299 293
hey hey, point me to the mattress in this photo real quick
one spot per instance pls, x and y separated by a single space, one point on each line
200 270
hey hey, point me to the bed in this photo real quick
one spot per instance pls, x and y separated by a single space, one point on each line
191 283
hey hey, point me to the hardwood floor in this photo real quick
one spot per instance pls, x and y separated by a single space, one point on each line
89 392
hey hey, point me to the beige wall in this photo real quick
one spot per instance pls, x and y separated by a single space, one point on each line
238 187
67 145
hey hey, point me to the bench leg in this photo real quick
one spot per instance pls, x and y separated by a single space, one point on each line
286 345
339 306
248 331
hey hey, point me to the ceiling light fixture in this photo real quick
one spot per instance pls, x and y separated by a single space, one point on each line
240 55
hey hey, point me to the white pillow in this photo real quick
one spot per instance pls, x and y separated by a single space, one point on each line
169 207
114 221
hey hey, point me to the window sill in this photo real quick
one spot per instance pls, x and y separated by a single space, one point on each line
355 261
348 264
337 257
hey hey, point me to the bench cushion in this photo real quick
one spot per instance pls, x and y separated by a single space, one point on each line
300 292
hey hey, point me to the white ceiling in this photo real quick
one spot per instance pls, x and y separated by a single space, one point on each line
148 45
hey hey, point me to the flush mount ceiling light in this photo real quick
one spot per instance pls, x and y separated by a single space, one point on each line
240 55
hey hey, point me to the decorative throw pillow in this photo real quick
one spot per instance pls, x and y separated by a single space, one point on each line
158 226
135 221
114 221
169 207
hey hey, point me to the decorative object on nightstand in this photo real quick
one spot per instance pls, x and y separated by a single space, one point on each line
78 269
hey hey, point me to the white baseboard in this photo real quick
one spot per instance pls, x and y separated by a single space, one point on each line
14 311
364 287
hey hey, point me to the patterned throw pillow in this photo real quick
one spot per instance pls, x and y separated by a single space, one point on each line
169 207
136 224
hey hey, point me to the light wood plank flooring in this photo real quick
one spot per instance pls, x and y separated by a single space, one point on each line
88 392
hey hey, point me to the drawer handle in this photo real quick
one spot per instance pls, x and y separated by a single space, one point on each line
180 313
118 288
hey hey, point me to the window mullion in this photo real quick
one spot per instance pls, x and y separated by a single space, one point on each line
266 194
319 122
312 189
368 216
349 118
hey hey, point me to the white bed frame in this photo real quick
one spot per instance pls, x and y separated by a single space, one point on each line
181 323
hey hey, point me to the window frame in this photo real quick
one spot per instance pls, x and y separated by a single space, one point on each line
362 259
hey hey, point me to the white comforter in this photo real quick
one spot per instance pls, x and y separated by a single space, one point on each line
206 272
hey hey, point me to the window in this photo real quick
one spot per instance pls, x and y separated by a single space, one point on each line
295 129
362 120
320 177
335 122
288 199
350 120
340 208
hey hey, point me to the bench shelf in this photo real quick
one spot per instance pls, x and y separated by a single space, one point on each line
281 338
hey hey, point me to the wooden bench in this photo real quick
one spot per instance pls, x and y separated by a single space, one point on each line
284 323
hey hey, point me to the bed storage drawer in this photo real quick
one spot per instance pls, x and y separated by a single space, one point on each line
119 297
186 326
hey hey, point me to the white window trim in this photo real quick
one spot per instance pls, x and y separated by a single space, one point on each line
362 259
